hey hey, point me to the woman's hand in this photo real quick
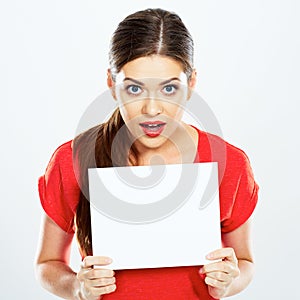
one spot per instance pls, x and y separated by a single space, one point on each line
95 282
220 275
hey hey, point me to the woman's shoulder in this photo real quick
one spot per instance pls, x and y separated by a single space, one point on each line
62 153
237 186
65 148
61 161
214 147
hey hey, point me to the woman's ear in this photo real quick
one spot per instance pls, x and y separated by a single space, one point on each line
110 83
192 83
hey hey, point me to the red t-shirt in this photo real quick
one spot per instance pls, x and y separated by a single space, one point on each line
238 193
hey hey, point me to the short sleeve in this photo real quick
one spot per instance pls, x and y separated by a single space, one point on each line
58 188
240 202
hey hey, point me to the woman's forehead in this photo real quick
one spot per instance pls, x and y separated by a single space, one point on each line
154 66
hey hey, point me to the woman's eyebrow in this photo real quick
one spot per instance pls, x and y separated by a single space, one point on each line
169 80
142 84
134 80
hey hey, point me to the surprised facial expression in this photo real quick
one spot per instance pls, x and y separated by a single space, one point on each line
151 93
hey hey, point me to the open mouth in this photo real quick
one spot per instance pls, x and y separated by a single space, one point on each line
153 129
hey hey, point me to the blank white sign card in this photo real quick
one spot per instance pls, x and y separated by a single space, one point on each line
155 216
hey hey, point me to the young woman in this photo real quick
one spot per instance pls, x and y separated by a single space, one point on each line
151 76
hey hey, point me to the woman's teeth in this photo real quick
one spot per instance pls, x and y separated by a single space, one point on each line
152 126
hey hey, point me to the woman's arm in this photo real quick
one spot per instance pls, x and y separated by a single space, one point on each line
52 261
231 275
55 275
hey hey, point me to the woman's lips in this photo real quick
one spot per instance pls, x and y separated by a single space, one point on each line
153 129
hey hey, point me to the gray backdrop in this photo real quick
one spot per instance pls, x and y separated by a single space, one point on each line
52 65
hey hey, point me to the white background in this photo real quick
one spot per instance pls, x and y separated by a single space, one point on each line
53 63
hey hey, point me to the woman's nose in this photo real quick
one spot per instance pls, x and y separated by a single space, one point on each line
152 107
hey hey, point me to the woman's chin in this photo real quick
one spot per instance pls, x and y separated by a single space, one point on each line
150 141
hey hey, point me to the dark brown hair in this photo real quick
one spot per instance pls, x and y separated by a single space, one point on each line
144 33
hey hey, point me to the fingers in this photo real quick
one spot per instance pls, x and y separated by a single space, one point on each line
100 282
219 278
93 293
98 291
228 264
218 267
224 254
90 261
92 274
95 282
221 274
216 283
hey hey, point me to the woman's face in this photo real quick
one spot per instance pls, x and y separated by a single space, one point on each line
151 93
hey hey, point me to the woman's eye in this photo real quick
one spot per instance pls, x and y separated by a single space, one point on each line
169 89
134 89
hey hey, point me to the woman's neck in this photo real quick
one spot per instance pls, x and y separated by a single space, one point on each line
180 148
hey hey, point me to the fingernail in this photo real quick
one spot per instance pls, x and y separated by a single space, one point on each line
209 255
201 270
108 260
